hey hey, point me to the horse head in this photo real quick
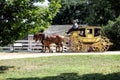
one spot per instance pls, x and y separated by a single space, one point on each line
38 36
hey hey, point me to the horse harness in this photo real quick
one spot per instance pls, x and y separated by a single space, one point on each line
43 38
47 37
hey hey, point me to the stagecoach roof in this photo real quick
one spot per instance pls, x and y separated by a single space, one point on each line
61 29
86 26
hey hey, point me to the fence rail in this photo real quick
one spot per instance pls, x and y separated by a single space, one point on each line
24 45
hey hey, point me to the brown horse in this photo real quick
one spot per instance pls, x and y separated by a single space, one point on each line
47 40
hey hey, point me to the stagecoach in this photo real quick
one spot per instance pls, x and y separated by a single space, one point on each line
88 38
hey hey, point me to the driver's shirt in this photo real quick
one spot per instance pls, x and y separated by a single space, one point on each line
75 26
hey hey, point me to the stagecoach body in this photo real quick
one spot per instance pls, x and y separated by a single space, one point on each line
88 38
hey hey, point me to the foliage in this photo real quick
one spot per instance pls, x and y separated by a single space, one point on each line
92 12
112 30
115 5
99 12
18 18
75 67
71 9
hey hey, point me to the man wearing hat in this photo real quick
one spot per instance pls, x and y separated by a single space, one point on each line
74 27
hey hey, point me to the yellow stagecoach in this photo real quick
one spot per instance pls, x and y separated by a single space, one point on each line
88 38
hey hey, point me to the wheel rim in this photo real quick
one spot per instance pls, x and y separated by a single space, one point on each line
76 46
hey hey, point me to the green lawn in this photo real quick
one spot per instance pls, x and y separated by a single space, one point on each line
79 67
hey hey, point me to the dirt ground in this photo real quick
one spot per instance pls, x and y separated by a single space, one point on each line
8 55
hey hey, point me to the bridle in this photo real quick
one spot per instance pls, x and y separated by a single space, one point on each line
43 38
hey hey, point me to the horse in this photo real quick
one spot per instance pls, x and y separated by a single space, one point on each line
47 40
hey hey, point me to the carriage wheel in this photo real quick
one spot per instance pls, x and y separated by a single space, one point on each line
105 48
76 46
96 49
106 44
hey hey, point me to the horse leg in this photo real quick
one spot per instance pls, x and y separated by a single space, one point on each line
43 48
58 48
62 47
48 48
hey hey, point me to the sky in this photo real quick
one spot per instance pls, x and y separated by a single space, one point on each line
42 4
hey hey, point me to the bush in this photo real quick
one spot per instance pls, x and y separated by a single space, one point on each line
112 31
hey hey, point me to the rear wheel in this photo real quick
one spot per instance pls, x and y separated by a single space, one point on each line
106 43
102 45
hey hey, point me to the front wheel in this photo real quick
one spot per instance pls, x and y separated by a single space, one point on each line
75 46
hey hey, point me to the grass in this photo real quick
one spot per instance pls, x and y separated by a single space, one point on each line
77 67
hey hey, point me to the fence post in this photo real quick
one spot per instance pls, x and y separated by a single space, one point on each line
30 38
11 47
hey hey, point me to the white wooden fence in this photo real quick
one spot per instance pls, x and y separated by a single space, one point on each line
24 45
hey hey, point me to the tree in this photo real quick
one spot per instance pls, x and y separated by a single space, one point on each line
92 12
18 18
71 9
100 12
112 31
115 6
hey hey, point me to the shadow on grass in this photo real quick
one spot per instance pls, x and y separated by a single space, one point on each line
5 68
75 76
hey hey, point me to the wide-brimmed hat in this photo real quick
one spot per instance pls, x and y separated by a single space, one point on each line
74 21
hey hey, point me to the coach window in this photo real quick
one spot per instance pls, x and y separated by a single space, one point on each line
96 32
82 32
89 31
